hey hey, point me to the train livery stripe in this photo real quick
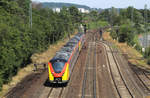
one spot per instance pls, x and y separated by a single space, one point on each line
51 77
77 46
66 73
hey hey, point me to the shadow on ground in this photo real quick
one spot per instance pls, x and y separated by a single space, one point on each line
54 85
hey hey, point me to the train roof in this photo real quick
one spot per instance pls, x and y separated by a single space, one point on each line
65 52
74 40
60 55
67 49
70 44
77 38
80 34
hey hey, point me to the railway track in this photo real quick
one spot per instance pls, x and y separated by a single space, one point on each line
94 74
144 79
55 92
118 79
89 79
129 75
84 79
49 92
142 76
147 74
137 79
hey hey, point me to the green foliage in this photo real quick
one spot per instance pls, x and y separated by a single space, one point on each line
130 23
126 33
138 47
75 15
148 61
113 34
136 43
18 42
147 52
94 15
98 24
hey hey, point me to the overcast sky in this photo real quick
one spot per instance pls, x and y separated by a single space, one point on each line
105 3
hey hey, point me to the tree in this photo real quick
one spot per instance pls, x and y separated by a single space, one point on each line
76 16
126 33
24 4
94 15
18 42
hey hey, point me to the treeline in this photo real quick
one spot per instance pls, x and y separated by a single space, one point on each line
18 40
60 5
93 21
130 19
127 24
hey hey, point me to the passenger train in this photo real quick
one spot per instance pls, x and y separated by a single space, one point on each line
61 65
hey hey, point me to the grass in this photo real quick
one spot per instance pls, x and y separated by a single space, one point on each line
114 46
134 56
43 57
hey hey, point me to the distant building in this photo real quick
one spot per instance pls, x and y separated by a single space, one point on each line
56 9
82 10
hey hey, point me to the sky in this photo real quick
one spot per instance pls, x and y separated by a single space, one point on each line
139 4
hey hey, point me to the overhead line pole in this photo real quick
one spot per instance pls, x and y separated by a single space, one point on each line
145 22
132 13
30 14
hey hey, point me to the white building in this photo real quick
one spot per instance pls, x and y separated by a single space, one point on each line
82 10
56 9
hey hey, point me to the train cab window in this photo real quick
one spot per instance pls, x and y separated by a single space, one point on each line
58 66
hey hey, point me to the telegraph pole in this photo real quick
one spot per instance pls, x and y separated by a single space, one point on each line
145 23
30 14
132 14
111 16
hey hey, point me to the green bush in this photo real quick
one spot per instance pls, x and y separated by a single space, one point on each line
98 24
147 52
18 41
113 34
126 33
148 61
138 47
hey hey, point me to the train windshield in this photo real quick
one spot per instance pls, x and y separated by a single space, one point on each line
58 66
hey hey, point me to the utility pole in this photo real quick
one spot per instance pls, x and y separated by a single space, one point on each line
145 23
49 25
111 16
30 14
132 14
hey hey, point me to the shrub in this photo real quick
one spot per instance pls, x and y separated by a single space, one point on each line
147 52
18 42
126 33
148 61
113 34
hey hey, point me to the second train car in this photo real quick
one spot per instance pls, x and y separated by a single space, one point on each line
61 65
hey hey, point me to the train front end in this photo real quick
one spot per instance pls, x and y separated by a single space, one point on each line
58 71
